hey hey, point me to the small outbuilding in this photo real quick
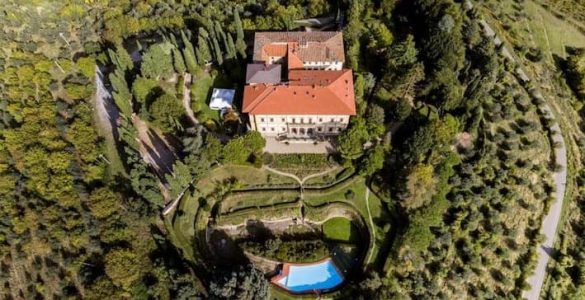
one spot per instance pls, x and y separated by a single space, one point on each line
221 99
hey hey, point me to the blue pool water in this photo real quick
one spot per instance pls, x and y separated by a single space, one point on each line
309 278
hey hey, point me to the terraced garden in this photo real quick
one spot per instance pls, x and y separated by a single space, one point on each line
340 216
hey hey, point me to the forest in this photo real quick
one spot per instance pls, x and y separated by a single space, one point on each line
461 150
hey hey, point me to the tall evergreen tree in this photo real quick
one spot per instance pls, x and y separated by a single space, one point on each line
240 43
122 96
216 49
178 61
238 23
231 47
189 54
203 52
224 39
121 58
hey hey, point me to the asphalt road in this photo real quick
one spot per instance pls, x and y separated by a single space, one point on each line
551 220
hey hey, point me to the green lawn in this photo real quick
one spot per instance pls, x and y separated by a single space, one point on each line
201 89
375 212
247 176
301 164
200 92
286 210
181 225
551 32
238 201
341 230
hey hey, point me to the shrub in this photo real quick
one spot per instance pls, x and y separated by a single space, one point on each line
349 195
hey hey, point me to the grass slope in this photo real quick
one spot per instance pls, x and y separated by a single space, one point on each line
340 229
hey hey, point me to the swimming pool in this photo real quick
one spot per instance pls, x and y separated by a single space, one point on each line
305 278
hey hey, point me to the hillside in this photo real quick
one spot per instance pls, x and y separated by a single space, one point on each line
118 180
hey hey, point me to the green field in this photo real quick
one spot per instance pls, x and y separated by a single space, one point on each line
201 89
301 164
550 32
247 177
341 230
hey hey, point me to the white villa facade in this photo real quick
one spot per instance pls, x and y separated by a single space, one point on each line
312 97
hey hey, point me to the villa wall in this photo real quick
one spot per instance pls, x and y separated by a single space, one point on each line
310 65
299 125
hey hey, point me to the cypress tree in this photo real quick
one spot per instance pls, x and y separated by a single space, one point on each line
203 52
216 49
122 96
240 43
222 35
238 22
231 47
178 61
218 54
189 54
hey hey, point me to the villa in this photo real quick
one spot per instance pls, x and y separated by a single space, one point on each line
297 87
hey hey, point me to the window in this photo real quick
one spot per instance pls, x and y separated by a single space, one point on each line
283 129
330 129
320 119
302 120
272 129
302 130
271 120
319 129
283 120
263 129
340 119
310 131
294 120
261 119
332 120
338 129
310 120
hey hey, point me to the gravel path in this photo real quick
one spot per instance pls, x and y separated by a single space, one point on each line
371 223
187 99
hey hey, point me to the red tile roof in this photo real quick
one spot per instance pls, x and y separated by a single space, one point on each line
308 92
311 46
293 61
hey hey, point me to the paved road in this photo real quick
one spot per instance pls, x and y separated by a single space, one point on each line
551 221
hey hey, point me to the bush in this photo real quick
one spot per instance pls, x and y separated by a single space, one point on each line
349 195
267 158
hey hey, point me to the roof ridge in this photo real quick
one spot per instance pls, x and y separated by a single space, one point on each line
262 96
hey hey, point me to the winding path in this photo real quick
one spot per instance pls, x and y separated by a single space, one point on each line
371 223
551 220
293 176
187 98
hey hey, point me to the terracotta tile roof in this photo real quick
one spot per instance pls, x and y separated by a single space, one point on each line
292 59
309 92
310 46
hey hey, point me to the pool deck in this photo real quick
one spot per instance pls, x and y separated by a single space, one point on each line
286 271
